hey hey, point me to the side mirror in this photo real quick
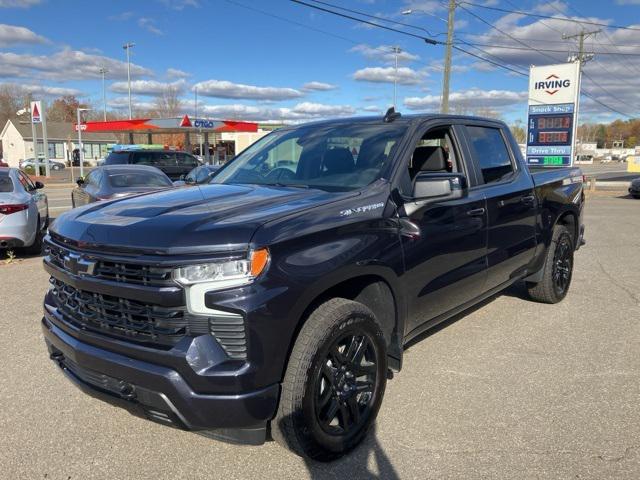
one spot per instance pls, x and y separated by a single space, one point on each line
80 182
39 185
182 177
439 186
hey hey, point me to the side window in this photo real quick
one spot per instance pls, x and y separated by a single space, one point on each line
192 175
185 160
90 179
491 153
164 159
26 182
23 181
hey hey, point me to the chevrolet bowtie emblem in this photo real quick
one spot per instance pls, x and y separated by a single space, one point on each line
78 265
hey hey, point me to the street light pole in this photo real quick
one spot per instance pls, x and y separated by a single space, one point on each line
80 146
446 77
396 51
127 47
104 95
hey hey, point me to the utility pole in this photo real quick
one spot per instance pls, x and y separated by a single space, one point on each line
127 47
104 95
582 56
396 51
447 58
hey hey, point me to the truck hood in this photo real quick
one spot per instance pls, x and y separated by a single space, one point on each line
209 218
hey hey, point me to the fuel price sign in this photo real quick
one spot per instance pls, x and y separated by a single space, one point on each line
553 103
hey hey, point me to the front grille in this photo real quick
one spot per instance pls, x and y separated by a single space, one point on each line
126 318
115 271
151 325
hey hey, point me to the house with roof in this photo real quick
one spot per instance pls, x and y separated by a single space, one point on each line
62 139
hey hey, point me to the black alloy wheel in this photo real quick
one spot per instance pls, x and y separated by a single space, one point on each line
562 263
345 384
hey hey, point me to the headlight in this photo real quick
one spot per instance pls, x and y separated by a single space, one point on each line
227 271
206 277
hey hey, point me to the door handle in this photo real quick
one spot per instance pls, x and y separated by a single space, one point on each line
528 199
476 212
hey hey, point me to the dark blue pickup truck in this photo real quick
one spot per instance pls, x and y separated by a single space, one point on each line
277 299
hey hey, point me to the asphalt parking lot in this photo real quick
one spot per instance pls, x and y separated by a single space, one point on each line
512 389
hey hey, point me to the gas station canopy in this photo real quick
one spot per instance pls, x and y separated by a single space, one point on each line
168 125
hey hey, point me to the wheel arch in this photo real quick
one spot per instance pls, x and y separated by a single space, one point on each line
375 291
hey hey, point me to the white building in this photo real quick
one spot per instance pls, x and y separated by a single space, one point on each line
17 142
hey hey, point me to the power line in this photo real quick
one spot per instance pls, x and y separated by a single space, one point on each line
513 47
549 17
428 40
376 17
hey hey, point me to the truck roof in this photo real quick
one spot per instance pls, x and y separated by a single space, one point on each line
403 119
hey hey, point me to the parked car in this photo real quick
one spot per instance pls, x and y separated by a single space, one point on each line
634 188
173 163
117 181
31 162
198 175
24 211
277 300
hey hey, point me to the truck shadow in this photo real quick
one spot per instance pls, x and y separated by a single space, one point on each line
367 461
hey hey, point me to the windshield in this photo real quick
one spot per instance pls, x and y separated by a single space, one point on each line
147 179
335 157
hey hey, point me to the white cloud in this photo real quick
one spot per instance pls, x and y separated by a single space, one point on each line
301 112
372 108
66 65
405 75
149 24
180 4
176 73
469 99
18 3
318 86
13 35
122 103
616 74
226 89
121 17
384 53
147 87
45 90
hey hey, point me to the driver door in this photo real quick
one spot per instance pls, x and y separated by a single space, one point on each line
444 239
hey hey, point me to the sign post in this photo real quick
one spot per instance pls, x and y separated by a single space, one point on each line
45 143
554 92
35 118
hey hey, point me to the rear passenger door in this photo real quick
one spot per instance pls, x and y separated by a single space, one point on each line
511 202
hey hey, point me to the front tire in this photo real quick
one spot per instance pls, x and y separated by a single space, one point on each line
334 383
557 270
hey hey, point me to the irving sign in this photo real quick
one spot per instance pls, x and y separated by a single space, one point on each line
553 112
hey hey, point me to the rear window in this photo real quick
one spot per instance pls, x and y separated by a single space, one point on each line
6 184
155 159
117 158
148 179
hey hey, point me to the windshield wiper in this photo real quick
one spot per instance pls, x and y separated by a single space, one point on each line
293 185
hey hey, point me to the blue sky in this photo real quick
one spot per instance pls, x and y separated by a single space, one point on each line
276 60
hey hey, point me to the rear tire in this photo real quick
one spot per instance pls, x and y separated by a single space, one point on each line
557 269
36 247
334 382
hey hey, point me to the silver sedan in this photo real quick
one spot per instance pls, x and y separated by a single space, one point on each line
24 211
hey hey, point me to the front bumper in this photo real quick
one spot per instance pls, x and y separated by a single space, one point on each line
160 393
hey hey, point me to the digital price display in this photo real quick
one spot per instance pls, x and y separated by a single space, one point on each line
563 121
553 137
